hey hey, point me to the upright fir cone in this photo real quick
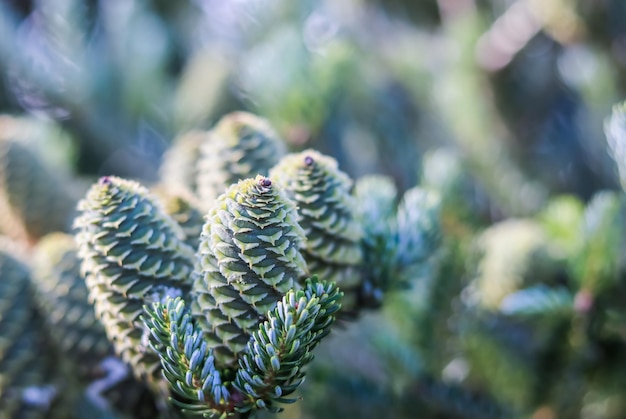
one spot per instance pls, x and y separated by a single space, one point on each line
326 212
185 210
34 200
240 146
249 258
180 162
132 254
24 365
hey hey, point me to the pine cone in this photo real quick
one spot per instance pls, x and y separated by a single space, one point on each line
26 389
132 253
63 296
326 212
34 200
185 210
249 258
180 162
240 146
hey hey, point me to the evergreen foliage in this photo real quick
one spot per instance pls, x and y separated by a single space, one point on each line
419 231
599 261
376 202
270 367
615 130
514 255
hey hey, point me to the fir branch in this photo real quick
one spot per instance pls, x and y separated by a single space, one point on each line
615 131
376 198
598 262
419 230
539 300
188 362
272 366
512 255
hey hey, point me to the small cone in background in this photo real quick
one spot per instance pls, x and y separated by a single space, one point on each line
180 162
184 208
34 199
240 146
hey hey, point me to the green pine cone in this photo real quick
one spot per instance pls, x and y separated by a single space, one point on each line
34 200
23 369
240 146
132 253
249 258
180 162
185 210
63 297
326 212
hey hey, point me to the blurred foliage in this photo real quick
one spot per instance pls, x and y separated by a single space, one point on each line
496 107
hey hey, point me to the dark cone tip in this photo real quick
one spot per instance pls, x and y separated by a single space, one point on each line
105 180
308 160
265 182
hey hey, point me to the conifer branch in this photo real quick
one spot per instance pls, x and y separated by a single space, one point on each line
188 363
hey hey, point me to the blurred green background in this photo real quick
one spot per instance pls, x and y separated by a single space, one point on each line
520 86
